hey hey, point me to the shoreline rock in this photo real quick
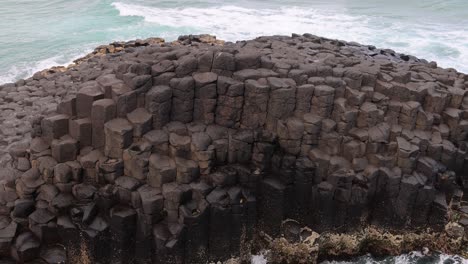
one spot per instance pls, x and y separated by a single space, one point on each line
315 248
189 151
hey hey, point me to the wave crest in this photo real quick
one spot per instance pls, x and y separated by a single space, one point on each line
445 44
234 23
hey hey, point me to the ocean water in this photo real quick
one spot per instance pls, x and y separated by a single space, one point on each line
37 34
410 258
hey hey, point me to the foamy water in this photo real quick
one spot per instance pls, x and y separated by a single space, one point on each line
414 257
43 33
444 42
410 258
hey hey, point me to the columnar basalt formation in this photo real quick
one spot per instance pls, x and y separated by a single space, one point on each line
180 152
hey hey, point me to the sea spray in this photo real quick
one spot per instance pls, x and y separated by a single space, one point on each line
46 33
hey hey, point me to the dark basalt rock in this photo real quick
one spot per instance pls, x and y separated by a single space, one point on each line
183 152
25 248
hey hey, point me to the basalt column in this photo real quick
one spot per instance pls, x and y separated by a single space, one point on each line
182 152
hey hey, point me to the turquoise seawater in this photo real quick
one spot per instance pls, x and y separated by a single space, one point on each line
36 34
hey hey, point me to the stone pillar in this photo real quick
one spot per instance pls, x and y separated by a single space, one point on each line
205 97
85 98
158 103
230 102
183 90
102 111
255 108
119 136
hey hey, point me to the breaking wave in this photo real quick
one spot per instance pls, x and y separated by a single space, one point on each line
446 44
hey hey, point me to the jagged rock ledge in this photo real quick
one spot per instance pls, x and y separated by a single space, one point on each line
185 152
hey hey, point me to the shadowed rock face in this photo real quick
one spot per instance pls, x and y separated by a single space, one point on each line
179 152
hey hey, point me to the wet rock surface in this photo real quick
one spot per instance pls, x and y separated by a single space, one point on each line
182 152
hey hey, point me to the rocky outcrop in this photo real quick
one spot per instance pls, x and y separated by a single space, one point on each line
181 152
302 245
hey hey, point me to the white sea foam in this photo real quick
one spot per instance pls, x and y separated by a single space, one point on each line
235 23
24 70
430 39
412 257
259 259
16 72
445 44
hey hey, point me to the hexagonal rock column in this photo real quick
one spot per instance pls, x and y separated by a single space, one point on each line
304 96
369 115
111 169
67 106
121 93
125 100
183 90
164 66
159 140
290 135
43 224
220 228
322 202
162 169
25 248
186 65
223 63
322 102
102 111
123 227
150 213
179 146
240 146
126 187
407 155
139 79
158 103
107 82
88 163
81 130
438 215
174 195
200 143
205 97
272 206
409 113
187 170
26 185
119 136
169 241
85 98
64 149
336 141
54 127
230 102
69 234
312 128
195 216
141 120
255 104
136 159
282 100
7 235
239 218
